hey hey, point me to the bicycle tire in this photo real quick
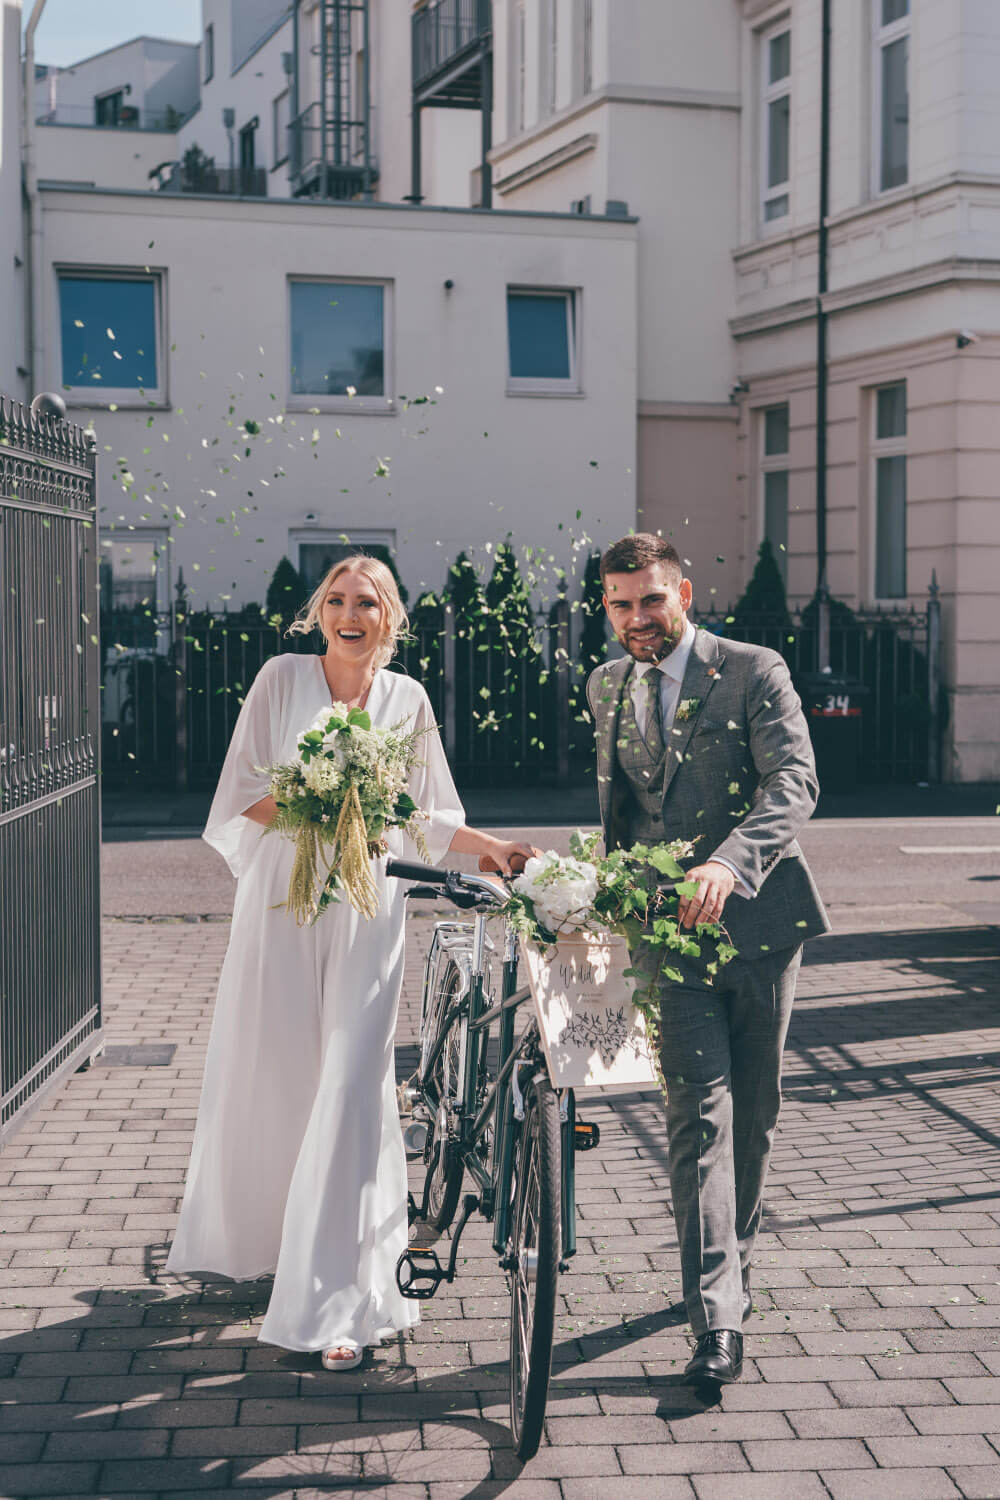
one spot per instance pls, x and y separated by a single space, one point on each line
537 1232
445 1186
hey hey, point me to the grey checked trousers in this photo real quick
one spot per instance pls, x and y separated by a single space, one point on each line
721 1052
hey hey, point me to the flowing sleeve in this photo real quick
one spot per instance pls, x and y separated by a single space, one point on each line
254 744
433 790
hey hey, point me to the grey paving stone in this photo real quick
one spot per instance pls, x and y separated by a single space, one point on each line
630 1487
17 1480
977 1483
942 1451
891 1484
759 1487
683 1458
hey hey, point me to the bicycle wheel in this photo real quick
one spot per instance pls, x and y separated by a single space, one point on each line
446 1170
534 1267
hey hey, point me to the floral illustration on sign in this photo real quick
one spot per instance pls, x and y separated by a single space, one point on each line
606 1031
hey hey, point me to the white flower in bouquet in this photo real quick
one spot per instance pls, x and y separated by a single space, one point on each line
346 786
560 889
322 775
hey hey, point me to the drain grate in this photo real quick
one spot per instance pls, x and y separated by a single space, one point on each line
139 1055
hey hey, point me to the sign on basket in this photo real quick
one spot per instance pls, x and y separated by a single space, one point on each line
593 1034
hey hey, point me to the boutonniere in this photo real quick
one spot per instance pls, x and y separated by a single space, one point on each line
685 708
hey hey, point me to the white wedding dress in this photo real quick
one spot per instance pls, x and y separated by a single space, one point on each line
297 1165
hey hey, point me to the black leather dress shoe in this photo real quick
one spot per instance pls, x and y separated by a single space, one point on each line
718 1358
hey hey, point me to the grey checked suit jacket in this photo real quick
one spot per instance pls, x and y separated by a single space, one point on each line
740 780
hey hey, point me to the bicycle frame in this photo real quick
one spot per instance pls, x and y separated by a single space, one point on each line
493 1175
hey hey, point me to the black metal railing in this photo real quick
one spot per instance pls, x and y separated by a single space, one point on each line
173 683
50 1006
331 158
128 117
443 29
511 707
894 654
231 182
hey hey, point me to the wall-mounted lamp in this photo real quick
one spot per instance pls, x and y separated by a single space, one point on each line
449 285
740 388
965 338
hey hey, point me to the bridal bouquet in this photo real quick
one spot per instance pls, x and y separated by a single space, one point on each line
584 892
345 787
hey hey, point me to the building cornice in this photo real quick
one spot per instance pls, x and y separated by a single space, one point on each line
691 411
872 208
544 164
193 205
952 271
616 93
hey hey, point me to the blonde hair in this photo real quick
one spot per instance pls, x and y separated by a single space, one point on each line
385 589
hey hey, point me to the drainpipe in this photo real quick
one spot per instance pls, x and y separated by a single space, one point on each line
822 591
34 211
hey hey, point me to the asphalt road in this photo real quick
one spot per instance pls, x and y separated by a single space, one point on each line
891 873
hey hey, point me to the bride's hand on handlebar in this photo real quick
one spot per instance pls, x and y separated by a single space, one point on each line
507 857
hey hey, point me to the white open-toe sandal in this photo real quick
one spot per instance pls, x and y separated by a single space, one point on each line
334 1359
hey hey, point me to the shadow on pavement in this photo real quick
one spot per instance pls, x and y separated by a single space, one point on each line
295 1424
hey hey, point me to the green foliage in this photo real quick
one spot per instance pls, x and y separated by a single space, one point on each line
637 897
286 593
765 591
507 599
464 592
592 637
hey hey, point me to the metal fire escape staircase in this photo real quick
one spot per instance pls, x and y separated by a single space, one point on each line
330 139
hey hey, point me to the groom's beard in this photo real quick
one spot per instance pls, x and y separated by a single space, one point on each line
654 647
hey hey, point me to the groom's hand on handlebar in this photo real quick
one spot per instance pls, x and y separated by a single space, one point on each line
508 858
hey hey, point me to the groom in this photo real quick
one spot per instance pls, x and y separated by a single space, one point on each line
703 738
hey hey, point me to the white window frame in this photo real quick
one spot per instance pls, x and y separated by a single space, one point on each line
584 47
279 136
890 447
769 94
772 463
519 66
549 44
524 385
159 616
357 536
357 406
882 37
144 397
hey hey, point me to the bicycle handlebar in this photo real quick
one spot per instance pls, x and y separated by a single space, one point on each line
462 890
402 870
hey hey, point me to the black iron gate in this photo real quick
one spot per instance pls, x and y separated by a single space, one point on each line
50 973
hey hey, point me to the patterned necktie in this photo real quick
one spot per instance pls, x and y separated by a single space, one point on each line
653 734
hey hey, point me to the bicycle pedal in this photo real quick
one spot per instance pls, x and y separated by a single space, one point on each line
586 1135
419 1273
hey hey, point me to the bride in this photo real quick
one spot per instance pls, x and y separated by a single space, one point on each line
297 1166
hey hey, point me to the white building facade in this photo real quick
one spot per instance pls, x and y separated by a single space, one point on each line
654 173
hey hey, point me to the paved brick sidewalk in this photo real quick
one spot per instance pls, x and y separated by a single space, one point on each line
873 1363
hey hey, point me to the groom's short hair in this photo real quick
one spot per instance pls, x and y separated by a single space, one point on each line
640 550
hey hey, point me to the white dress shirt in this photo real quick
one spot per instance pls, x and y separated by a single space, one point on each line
672 669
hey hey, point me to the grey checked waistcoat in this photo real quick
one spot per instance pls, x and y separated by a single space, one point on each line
644 775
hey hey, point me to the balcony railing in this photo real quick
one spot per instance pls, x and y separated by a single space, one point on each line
130 118
233 182
331 162
443 30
